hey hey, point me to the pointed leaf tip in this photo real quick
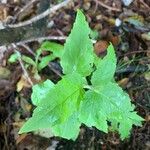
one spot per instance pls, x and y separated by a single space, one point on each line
78 50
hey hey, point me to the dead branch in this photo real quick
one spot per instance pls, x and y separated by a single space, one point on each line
49 65
40 16
40 39
106 6
22 66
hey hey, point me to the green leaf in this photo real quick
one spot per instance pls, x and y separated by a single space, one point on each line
44 61
109 103
119 108
71 82
116 96
136 118
125 127
28 60
66 104
14 57
106 68
94 34
90 112
126 124
39 91
78 49
56 106
56 48
69 129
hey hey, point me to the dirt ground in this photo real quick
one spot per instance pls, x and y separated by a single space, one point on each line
127 27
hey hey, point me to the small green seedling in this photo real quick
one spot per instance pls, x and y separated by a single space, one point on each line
64 106
40 62
28 62
55 49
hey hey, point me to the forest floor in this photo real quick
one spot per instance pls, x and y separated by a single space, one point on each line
127 27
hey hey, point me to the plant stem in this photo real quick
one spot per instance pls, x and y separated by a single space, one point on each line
90 87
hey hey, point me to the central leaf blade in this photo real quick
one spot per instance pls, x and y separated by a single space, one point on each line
56 107
78 49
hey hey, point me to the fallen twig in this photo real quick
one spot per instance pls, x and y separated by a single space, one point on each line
33 30
49 65
28 49
134 52
40 39
22 66
145 4
132 69
40 16
106 6
25 7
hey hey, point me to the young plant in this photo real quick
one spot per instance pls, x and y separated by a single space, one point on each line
55 49
64 106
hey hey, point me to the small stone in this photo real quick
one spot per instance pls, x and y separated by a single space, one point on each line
118 22
86 6
98 17
100 47
98 27
127 2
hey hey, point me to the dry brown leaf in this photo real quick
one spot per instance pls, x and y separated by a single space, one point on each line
147 118
123 82
4 73
25 105
20 138
22 83
100 47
